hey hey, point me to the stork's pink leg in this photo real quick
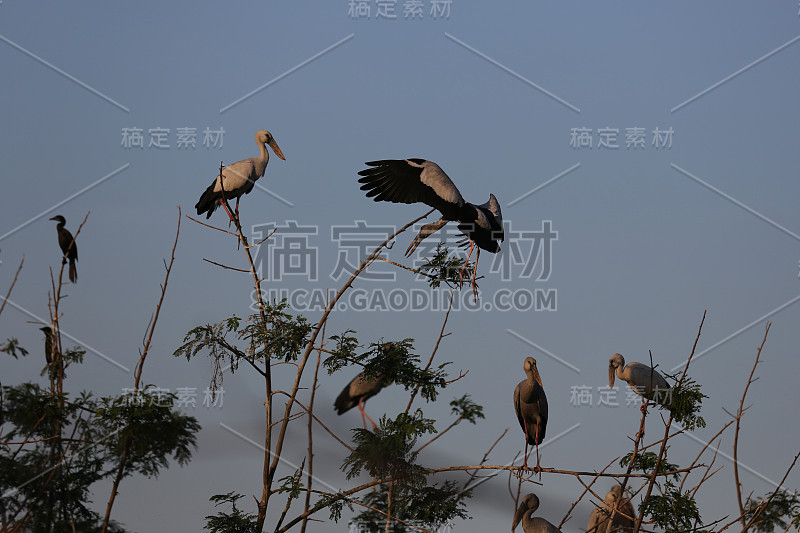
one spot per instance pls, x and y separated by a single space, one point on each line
474 274
222 203
643 408
538 467
525 457
461 273
364 414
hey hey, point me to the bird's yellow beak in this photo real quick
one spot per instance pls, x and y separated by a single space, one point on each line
276 149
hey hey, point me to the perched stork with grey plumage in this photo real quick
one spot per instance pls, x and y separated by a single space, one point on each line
645 381
624 514
238 178
358 391
530 524
530 404
416 180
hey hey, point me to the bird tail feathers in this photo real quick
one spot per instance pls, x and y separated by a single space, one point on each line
208 202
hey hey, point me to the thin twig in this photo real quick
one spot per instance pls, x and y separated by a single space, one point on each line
433 353
668 424
766 503
585 490
736 433
226 267
439 434
270 471
150 330
13 282
212 227
472 475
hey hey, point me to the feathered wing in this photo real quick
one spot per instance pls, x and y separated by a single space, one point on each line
624 523
238 178
642 376
70 248
543 413
540 404
208 201
410 181
598 521
354 391
344 402
518 405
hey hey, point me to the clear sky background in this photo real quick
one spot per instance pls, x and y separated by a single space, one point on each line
649 236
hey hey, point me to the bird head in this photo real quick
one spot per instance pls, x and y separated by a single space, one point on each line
613 495
530 368
59 219
265 137
494 206
528 505
616 361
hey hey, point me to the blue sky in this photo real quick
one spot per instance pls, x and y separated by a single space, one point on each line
648 236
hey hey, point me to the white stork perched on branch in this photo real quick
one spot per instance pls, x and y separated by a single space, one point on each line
238 178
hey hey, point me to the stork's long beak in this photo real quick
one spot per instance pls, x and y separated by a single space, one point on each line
537 377
275 148
518 516
611 376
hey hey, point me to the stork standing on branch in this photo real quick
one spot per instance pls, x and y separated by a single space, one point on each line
238 178
356 393
624 517
645 381
530 404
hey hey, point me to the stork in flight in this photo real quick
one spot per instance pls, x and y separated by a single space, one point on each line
68 247
238 178
645 381
415 180
530 524
530 404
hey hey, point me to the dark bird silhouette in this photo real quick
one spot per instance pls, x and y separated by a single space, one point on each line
68 247
530 404
238 178
356 393
48 344
416 180
624 518
645 381
529 524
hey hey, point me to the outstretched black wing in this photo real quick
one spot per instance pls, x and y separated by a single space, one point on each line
410 181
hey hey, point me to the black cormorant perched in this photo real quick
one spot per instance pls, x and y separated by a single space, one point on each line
68 247
48 344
